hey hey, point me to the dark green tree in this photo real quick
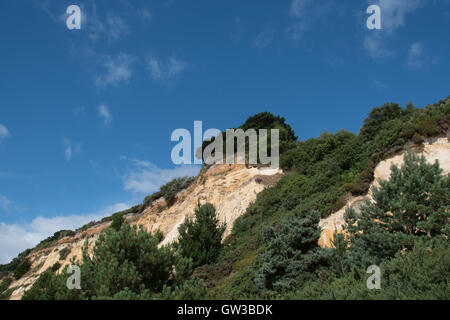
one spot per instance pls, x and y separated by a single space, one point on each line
200 238
290 250
117 221
414 203
123 264
22 268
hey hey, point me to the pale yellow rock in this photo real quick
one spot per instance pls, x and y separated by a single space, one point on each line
230 188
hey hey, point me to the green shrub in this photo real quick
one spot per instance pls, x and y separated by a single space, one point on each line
5 283
290 250
63 253
413 203
200 239
55 266
124 264
22 269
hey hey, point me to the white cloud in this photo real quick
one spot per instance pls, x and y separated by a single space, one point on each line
144 177
162 72
104 113
393 16
4 132
70 150
15 238
118 70
393 12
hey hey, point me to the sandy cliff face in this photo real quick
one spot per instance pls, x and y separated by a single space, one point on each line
230 188
432 149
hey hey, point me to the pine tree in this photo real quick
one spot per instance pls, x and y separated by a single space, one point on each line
414 203
290 250
200 239
123 264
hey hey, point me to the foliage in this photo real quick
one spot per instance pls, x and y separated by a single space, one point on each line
54 239
63 253
10 267
319 175
272 251
200 239
55 266
192 289
5 283
413 203
117 221
22 269
124 264
290 250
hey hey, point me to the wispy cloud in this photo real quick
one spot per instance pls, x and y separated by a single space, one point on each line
145 177
304 13
4 132
116 26
103 112
415 56
111 27
5 203
145 15
238 30
117 70
165 71
376 47
393 16
70 150
264 38
15 238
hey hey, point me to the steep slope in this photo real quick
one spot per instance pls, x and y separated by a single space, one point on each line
230 188
432 149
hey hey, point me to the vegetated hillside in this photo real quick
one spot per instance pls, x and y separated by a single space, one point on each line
323 174
273 251
230 188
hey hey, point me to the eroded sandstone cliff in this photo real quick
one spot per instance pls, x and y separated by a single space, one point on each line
230 188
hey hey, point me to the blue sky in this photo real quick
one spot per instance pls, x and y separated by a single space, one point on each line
86 115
